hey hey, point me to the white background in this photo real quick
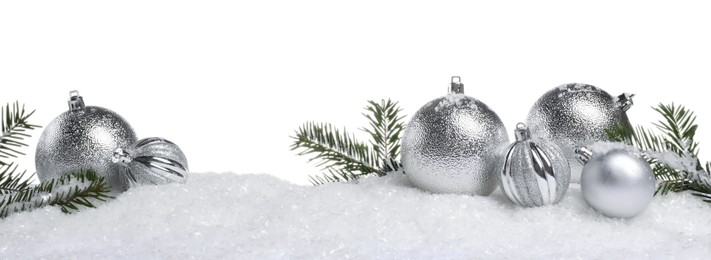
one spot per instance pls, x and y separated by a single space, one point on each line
229 81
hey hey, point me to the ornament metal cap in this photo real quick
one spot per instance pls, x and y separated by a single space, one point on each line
624 101
584 154
522 133
76 102
456 87
121 156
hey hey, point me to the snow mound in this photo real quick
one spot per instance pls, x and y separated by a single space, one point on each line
229 216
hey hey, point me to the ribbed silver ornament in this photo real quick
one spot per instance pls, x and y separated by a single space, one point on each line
617 183
574 115
451 145
82 138
152 160
533 172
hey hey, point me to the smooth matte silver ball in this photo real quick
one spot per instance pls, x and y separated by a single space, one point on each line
451 145
83 138
534 172
152 161
617 184
575 115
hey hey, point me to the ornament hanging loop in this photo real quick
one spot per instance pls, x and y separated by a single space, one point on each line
522 133
121 156
624 101
456 87
584 154
76 102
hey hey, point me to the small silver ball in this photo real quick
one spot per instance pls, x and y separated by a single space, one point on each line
451 145
618 184
574 115
80 139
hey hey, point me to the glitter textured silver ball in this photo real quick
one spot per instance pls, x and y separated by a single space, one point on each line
152 160
451 145
84 137
617 183
534 171
575 115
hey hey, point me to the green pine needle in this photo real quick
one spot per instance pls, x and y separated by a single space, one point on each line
333 175
342 157
70 192
334 149
385 130
11 182
13 127
678 129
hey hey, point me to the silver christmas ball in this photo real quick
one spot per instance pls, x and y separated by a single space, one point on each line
451 145
84 137
152 160
617 184
575 115
534 171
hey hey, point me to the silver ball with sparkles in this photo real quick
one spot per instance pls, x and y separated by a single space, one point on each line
575 115
152 160
84 137
451 145
534 172
617 183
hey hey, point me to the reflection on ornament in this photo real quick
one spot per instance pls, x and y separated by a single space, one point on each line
84 137
574 115
152 160
617 183
451 145
534 172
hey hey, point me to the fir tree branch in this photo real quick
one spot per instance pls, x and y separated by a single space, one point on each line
333 175
70 192
345 159
334 149
11 182
681 170
13 127
679 128
385 129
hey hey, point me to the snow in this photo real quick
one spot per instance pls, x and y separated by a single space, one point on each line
574 88
602 147
459 100
230 216
686 162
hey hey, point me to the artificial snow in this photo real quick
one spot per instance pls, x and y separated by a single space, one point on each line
602 147
574 88
459 100
686 162
229 216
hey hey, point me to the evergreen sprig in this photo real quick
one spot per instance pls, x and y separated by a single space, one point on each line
385 129
342 157
11 182
13 126
70 192
337 150
683 171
